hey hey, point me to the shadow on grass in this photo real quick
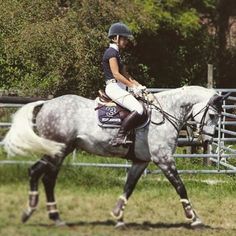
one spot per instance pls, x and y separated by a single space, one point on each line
136 226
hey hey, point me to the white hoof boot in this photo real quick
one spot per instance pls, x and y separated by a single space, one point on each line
120 225
196 223
60 223
27 214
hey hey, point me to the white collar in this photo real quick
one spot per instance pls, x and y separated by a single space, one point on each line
113 45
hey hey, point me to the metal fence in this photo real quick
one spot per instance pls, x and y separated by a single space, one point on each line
220 152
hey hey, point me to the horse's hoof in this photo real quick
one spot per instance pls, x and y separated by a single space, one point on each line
60 223
120 225
197 223
26 215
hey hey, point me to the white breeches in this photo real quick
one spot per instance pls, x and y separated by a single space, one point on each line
117 92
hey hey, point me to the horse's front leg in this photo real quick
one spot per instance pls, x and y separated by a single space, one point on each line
134 174
35 172
167 165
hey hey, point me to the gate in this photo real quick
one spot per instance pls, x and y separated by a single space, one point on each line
220 152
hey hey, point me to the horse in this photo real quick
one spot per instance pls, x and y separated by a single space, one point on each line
68 122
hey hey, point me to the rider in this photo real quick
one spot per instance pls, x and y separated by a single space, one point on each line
118 79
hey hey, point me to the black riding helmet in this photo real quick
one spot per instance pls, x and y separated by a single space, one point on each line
119 29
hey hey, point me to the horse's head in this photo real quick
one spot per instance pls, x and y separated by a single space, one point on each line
206 115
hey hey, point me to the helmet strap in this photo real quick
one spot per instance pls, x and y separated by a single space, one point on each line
118 40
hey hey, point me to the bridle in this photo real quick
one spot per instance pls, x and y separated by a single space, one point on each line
175 121
200 125
215 104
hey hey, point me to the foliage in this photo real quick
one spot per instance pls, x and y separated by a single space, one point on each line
55 47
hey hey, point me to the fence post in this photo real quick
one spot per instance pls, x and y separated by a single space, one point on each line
223 121
219 145
209 76
206 161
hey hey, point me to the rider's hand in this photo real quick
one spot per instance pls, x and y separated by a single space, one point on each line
142 88
138 90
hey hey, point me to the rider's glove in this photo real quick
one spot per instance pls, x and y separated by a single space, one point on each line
138 90
142 88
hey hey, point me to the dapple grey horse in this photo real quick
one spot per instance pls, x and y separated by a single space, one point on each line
70 122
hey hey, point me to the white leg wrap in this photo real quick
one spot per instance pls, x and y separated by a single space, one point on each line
33 196
124 199
118 211
33 192
185 201
188 209
52 207
51 203
53 211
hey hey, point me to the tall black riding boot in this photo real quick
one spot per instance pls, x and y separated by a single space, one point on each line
130 122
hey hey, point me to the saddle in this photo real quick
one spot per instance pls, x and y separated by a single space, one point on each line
110 114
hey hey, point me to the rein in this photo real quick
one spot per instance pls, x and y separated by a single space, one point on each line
175 121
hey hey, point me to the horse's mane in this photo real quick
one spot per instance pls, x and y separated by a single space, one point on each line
196 89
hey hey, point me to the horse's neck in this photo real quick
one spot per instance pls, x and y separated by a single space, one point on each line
179 102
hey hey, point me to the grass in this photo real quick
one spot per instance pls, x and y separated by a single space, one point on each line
153 209
86 195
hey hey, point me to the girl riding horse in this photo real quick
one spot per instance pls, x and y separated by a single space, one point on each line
118 79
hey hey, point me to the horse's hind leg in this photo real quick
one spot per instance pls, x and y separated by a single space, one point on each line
49 182
167 165
35 172
48 168
134 174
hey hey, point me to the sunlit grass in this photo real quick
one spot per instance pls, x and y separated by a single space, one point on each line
86 195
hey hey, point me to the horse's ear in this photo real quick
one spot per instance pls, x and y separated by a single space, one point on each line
216 101
226 95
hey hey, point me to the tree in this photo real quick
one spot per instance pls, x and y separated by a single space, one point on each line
226 55
55 47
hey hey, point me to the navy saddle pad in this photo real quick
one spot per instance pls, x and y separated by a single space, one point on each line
110 114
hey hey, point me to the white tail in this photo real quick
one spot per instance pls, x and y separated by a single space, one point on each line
21 138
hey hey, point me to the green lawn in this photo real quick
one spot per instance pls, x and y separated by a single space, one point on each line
85 197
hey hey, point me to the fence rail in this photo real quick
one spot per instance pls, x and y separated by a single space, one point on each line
222 151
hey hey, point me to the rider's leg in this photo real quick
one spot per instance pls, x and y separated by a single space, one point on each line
129 123
125 99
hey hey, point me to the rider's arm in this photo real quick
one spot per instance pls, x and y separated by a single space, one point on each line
117 75
126 74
